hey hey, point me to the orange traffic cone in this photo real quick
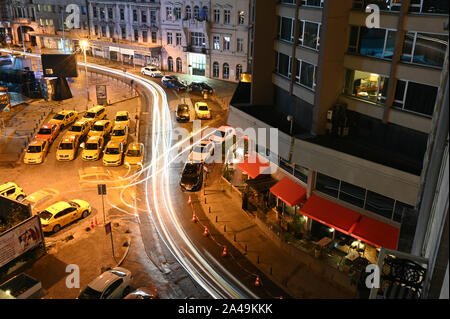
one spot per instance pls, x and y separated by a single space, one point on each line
155 293
224 253
92 224
96 221
257 281
206 232
194 218
189 200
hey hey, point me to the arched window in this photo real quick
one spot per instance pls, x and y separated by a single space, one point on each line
170 64
179 65
216 69
204 13
226 71
188 13
238 72
196 12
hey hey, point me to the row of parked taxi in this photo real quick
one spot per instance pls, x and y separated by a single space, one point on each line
90 133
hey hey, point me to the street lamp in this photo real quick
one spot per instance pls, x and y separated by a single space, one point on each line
290 118
84 44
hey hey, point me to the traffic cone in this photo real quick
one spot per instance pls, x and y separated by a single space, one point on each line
257 281
189 200
92 224
224 253
96 221
206 232
194 218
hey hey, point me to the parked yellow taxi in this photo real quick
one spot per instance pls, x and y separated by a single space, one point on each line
113 153
100 128
11 190
80 128
119 133
122 118
202 110
67 148
64 118
92 148
36 152
134 154
62 213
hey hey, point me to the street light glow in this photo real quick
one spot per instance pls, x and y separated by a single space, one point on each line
84 44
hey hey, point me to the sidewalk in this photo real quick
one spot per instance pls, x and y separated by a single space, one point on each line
302 278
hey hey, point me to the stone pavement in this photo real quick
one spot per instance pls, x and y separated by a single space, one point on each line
301 275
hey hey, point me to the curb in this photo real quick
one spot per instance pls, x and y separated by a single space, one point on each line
126 253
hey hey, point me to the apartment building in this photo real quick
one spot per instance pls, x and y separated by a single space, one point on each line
126 31
22 21
355 106
5 28
208 38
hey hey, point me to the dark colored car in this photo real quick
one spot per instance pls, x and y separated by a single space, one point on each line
201 86
183 113
192 177
174 84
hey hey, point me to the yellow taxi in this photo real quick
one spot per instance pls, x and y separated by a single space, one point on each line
134 154
122 118
36 152
62 213
95 113
80 128
67 148
92 148
11 190
64 118
119 133
113 153
202 110
100 128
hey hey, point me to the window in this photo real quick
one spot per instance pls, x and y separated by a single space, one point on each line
415 97
110 13
307 74
301 173
122 14
216 16
94 11
169 37
313 3
154 37
188 13
103 31
372 42
196 12
179 65
216 69
204 13
144 36
286 30
379 204
226 43
168 13
424 48
178 38
170 64
352 194
216 42
327 185
226 71
240 45
399 210
124 32
177 13
309 34
283 65
226 16
144 17
198 39
366 85
135 16
153 17
241 18
102 13
238 72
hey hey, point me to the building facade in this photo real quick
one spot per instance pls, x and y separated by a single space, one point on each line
361 99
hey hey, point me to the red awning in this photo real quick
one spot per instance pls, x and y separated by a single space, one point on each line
376 233
289 192
253 167
330 214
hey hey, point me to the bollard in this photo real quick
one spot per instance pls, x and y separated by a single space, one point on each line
216 218
209 209
205 200
225 228
257 260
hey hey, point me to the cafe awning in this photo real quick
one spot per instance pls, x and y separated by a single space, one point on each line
253 167
376 233
261 184
330 214
289 192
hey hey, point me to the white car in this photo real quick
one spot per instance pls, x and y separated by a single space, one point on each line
166 78
151 71
109 285
221 134
202 152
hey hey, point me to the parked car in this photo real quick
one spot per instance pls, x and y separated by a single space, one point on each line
113 154
122 118
142 293
95 113
202 152
201 87
36 152
100 128
40 197
80 128
134 154
58 215
222 133
109 285
119 133
192 177
48 132
151 71
174 84
166 78
182 113
202 110
11 190
92 148
67 148
64 118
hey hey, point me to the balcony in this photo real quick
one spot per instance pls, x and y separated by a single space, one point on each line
194 25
